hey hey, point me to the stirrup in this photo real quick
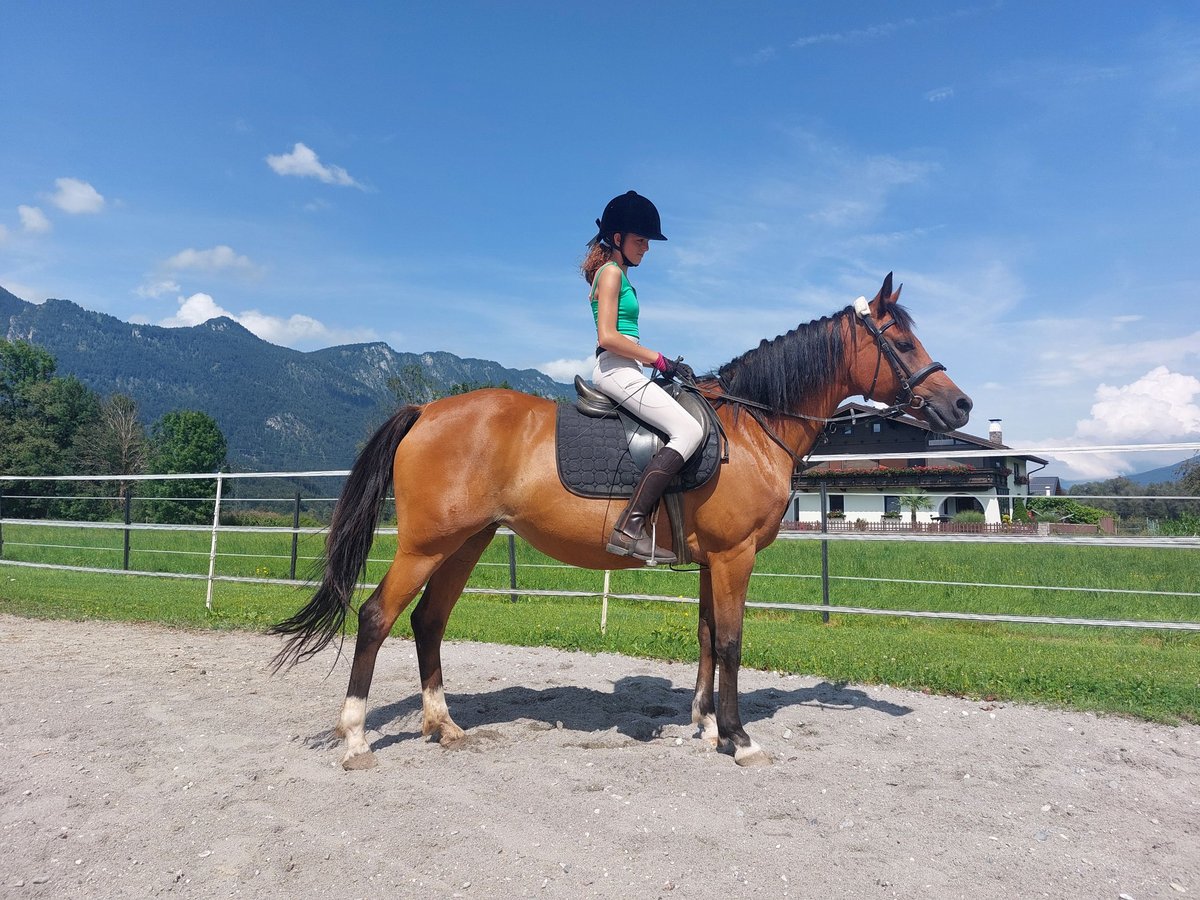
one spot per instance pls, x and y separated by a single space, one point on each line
624 544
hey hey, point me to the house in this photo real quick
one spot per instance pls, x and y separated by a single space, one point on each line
1045 486
870 490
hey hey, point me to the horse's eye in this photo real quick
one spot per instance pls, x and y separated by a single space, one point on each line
904 346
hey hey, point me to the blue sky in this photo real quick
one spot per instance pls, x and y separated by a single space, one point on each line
428 174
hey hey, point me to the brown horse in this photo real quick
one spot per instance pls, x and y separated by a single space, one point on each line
465 465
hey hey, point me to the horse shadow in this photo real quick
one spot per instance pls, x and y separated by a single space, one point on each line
639 707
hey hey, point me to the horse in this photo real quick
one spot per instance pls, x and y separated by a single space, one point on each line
463 466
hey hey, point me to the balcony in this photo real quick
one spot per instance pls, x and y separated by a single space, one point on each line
941 477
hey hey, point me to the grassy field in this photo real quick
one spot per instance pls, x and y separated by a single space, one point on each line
1152 674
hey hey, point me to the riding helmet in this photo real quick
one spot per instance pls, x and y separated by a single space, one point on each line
629 213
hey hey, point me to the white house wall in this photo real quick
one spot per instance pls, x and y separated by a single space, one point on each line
869 506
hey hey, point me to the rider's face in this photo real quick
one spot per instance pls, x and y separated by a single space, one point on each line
634 247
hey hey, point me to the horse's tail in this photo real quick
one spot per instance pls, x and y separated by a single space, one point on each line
347 545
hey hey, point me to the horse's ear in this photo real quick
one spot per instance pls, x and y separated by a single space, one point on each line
896 296
886 291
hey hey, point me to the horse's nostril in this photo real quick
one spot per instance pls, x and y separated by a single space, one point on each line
964 403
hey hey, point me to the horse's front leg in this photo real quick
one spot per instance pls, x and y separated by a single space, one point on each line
704 715
730 577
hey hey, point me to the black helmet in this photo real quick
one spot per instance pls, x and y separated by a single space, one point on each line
629 213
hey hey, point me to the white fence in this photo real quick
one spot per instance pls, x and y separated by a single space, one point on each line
296 532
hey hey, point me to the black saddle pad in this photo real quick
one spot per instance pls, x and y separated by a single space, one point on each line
604 457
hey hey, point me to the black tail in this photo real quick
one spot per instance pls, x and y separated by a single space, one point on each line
351 532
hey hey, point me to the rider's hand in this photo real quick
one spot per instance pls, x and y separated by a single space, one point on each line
674 368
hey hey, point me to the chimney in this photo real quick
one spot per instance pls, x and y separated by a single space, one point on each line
995 435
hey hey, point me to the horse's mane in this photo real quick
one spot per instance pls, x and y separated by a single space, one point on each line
779 373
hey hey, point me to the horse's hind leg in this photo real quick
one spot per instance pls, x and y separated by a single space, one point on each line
375 620
429 625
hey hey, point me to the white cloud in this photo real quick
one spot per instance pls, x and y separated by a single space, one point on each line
1160 406
194 310
303 163
1090 355
214 259
565 370
76 197
157 289
33 219
294 331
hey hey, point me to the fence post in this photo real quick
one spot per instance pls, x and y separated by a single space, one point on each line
824 551
604 603
212 552
128 519
295 535
512 567
1 522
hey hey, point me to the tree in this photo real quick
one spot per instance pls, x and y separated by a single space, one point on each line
1189 478
41 417
21 365
412 386
914 501
465 387
185 441
114 444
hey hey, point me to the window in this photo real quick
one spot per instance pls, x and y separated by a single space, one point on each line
837 503
891 504
877 427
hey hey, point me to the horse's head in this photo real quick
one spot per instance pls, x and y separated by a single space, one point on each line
888 363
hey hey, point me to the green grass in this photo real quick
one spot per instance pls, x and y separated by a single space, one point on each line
1151 674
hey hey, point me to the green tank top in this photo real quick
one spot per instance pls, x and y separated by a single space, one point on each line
627 305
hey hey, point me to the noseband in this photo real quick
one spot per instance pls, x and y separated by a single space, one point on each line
906 398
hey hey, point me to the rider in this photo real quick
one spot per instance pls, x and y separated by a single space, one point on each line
628 224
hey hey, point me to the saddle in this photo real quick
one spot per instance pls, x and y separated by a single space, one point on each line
601 448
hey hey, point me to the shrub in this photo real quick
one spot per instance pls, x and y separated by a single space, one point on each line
970 517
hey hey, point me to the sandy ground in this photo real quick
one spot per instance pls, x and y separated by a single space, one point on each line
140 762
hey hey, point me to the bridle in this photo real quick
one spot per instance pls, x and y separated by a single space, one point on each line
906 397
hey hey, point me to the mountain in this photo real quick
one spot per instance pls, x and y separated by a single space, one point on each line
1159 475
279 409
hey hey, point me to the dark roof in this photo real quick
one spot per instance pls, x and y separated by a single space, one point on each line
1039 483
855 411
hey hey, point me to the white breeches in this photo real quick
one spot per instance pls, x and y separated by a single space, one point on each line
622 379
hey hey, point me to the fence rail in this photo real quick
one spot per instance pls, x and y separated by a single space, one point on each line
830 531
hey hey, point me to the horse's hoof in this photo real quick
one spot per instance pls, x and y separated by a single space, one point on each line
360 761
451 736
751 756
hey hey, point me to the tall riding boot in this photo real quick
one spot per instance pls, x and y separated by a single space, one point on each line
630 537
